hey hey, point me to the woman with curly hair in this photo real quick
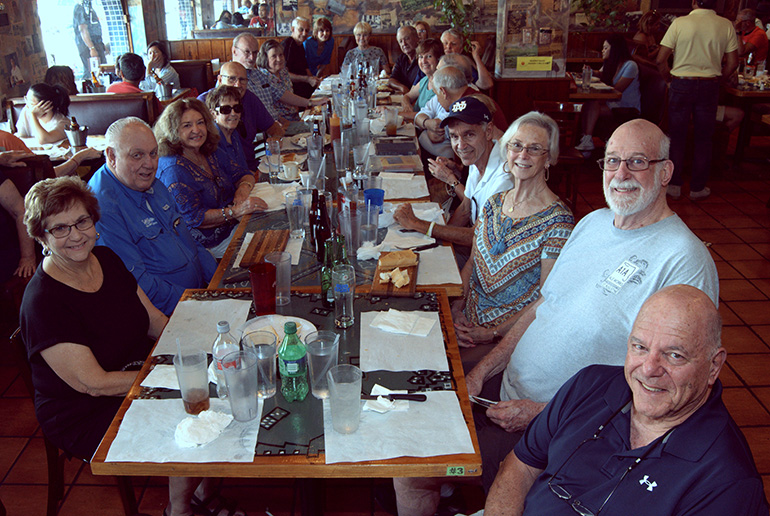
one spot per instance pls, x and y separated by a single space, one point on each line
211 190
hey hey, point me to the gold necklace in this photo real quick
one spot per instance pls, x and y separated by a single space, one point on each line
515 204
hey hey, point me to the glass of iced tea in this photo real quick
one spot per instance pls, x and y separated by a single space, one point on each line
191 371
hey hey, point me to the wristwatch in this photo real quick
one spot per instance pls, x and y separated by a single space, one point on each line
453 184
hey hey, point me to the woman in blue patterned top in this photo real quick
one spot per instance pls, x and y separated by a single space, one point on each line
362 31
211 190
518 236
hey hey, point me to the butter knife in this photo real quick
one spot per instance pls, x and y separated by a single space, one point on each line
392 397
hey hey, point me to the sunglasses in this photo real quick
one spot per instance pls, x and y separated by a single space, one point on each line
225 110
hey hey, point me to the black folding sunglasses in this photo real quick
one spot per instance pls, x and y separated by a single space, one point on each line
225 110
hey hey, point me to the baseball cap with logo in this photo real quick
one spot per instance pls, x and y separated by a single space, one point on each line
469 110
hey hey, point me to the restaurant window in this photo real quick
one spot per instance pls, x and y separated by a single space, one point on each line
180 19
57 24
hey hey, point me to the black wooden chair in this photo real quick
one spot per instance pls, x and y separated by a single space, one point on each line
55 457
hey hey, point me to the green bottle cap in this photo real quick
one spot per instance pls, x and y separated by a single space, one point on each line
290 327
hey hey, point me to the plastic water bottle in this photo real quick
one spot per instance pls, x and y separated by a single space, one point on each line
223 345
587 76
292 364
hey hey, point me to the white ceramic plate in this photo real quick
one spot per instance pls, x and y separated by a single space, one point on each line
300 140
274 324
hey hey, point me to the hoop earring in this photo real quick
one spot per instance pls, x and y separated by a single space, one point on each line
98 235
46 251
506 169
547 173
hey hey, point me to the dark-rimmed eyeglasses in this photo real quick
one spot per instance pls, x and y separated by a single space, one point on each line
637 164
63 230
533 150
236 80
576 504
226 110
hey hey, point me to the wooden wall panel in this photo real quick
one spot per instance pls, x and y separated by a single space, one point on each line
190 49
204 49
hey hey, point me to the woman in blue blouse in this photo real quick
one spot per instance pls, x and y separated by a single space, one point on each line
319 48
211 190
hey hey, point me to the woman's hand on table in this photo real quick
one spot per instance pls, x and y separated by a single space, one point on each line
249 206
39 109
514 415
242 192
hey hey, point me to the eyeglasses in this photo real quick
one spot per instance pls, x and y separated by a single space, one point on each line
637 164
225 110
236 80
63 230
576 504
247 51
534 150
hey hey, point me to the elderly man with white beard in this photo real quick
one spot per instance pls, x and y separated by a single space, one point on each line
615 259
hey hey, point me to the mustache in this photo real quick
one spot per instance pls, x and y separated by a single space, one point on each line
628 183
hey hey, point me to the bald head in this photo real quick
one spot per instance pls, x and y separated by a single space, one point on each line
234 74
643 133
132 153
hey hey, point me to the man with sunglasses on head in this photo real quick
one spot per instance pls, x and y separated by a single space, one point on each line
255 118
140 221
650 438
614 260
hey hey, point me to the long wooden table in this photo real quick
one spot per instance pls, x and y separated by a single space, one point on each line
311 465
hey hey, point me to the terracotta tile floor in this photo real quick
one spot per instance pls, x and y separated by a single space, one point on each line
734 221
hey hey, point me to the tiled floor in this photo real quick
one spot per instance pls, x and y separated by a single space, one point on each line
735 223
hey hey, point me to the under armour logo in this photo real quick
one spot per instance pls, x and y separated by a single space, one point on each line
650 485
458 106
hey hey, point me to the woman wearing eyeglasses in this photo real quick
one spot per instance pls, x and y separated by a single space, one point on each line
87 325
210 188
517 238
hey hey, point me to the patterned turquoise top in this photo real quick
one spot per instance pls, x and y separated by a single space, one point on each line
507 255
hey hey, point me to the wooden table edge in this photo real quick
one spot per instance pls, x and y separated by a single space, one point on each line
308 467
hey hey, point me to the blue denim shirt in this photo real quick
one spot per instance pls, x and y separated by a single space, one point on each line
146 230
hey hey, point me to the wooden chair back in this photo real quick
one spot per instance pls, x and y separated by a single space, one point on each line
567 117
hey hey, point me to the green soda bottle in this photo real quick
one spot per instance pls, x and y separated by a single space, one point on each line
292 364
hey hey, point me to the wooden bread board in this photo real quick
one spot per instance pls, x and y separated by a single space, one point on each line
389 289
262 243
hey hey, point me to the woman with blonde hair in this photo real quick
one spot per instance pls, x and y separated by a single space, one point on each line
364 52
211 190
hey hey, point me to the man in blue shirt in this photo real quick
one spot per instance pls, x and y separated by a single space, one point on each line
140 221
650 438
255 117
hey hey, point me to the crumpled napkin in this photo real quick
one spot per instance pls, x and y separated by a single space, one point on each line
394 239
405 323
368 251
198 430
382 404
162 376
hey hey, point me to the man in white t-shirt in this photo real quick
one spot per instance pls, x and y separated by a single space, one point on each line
470 130
613 261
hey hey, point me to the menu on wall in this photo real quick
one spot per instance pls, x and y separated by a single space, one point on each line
532 38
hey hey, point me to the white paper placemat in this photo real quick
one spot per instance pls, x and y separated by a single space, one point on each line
195 323
381 350
429 428
399 189
162 375
146 434
438 266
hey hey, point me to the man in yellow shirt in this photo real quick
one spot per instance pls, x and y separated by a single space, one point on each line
699 42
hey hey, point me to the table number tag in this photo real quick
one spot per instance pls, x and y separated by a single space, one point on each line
620 276
455 471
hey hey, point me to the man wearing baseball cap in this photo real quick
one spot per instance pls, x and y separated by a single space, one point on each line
470 133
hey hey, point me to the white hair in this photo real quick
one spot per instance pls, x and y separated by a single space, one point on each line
115 130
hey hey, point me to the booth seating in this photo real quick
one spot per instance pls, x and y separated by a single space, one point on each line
99 110
195 74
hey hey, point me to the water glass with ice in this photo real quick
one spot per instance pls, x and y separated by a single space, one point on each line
322 351
345 397
241 373
263 344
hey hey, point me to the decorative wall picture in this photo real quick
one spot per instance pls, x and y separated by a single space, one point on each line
15 76
532 38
